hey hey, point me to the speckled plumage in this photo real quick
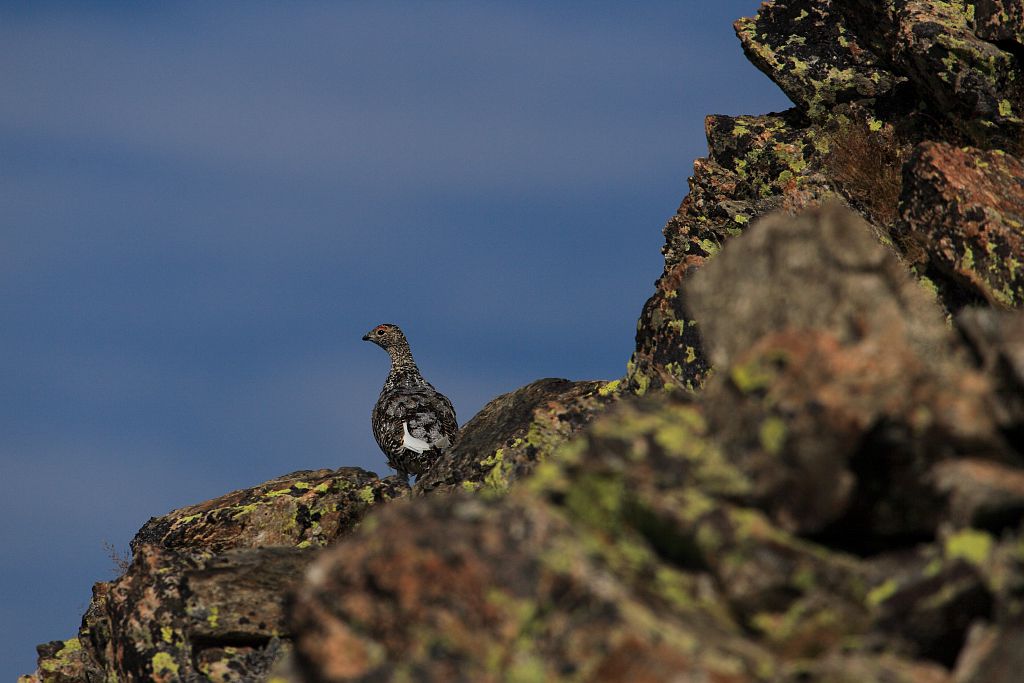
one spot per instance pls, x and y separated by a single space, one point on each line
412 421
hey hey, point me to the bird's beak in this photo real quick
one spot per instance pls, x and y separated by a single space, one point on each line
366 337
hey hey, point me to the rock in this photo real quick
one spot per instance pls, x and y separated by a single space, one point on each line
996 341
982 493
807 49
177 615
972 80
669 349
654 470
859 668
992 655
828 392
450 588
957 61
755 165
203 594
965 207
509 435
61 661
301 509
927 606
759 286
1001 22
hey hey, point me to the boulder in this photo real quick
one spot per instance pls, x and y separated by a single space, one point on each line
301 509
505 440
964 207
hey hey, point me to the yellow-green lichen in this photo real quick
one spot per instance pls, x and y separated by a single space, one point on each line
609 388
596 499
643 383
497 477
240 510
366 494
163 663
709 246
59 658
213 616
772 435
281 492
970 544
929 286
752 376
882 592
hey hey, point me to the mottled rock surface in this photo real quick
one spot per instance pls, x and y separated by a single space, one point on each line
496 592
301 509
202 598
996 341
870 81
833 351
791 522
964 207
506 439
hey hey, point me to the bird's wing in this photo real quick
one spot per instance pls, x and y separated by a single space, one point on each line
411 442
431 419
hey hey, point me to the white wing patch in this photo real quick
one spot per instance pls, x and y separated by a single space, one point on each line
411 442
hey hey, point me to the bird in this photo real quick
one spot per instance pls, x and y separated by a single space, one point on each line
413 422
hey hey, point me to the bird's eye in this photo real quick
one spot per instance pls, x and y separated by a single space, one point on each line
380 332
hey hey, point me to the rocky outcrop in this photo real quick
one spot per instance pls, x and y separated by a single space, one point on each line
812 470
203 596
964 209
512 433
794 521
662 505
756 165
870 81
301 509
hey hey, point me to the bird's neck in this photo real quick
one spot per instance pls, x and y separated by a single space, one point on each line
401 360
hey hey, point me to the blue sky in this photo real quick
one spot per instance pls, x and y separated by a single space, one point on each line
205 205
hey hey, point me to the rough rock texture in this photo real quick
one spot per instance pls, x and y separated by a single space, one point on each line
502 592
964 208
871 81
811 473
827 65
203 595
996 340
301 509
794 522
506 439
173 615
756 164
815 371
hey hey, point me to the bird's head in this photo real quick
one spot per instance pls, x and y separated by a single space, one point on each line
386 336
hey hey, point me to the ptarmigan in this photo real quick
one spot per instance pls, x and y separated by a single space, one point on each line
413 422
